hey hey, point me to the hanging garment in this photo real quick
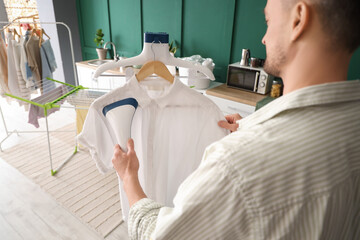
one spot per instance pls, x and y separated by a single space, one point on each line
50 56
34 60
171 128
36 112
48 65
13 81
3 68
24 91
24 66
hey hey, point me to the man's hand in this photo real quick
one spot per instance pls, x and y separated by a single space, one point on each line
126 164
230 124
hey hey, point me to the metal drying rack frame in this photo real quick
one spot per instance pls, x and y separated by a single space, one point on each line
48 105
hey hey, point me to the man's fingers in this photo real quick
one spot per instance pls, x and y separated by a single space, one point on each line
117 149
232 118
226 125
117 153
229 118
130 145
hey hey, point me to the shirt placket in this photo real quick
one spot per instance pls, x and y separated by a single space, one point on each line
150 153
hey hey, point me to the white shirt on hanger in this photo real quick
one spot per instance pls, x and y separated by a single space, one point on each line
171 128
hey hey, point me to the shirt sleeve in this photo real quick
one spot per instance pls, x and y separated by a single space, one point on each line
96 137
206 206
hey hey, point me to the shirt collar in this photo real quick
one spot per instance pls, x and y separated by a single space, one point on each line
143 97
322 94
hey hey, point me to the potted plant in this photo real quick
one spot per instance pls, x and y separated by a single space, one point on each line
172 50
99 40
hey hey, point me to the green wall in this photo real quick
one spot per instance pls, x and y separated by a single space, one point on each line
211 28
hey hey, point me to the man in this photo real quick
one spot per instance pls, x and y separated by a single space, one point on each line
292 169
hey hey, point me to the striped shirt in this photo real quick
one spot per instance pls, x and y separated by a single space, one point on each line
291 171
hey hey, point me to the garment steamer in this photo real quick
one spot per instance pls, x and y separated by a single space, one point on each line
124 110
156 48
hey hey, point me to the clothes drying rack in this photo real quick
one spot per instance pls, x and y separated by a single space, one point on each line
50 102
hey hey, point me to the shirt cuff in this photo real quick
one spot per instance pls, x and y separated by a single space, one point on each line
239 123
142 218
144 204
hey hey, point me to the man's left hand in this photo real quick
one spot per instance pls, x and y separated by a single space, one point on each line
126 164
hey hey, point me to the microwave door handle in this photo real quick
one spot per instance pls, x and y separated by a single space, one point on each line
256 81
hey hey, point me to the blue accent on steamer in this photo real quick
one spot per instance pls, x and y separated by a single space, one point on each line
126 101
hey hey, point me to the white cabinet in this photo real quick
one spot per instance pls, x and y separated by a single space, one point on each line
231 107
232 100
85 76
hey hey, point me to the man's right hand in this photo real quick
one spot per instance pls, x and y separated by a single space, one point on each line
230 124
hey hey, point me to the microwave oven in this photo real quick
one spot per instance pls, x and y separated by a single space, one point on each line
253 79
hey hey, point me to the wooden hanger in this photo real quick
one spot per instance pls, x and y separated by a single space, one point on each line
15 33
156 67
33 31
20 28
42 32
40 37
35 26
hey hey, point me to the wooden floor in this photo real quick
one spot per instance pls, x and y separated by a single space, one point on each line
27 212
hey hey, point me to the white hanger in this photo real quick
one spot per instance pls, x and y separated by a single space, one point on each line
162 54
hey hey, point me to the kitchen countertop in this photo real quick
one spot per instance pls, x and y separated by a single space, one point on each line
236 95
114 71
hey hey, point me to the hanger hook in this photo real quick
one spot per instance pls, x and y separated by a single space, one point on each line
153 49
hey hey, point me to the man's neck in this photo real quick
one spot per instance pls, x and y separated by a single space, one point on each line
314 66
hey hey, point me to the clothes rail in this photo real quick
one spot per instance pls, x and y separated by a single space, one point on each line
50 103
56 23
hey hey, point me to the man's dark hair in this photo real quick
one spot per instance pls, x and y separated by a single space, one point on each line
340 20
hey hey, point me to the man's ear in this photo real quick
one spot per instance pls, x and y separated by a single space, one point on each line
300 18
